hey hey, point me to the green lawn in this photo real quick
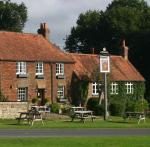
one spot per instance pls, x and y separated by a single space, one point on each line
77 142
114 122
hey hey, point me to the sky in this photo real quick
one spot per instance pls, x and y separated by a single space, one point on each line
61 15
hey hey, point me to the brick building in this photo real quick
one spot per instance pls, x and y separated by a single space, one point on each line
123 81
31 66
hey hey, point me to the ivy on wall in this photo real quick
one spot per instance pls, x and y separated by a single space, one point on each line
121 102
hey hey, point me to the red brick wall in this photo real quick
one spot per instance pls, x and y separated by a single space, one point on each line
9 81
68 70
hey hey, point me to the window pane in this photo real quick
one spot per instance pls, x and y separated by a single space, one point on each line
59 69
21 68
39 68
60 92
22 94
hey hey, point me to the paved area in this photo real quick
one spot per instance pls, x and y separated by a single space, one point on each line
75 132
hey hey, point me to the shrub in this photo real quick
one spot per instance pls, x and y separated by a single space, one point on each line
93 104
117 108
45 101
55 107
34 100
138 105
141 105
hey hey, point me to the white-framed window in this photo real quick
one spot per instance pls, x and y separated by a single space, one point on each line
22 94
21 68
39 68
114 88
59 69
129 88
60 91
95 87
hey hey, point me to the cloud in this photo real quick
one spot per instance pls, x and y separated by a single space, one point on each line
60 15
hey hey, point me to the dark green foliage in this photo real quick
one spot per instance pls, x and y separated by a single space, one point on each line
34 101
79 90
93 104
55 107
122 102
12 16
123 19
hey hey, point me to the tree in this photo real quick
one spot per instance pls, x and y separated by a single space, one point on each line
123 19
12 16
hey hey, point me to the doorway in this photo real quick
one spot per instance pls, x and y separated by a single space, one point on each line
41 96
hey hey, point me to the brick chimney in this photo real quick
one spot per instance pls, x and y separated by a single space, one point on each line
44 30
124 50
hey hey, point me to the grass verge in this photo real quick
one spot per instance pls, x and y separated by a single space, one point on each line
77 142
114 122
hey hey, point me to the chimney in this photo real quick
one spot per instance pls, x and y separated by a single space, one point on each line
44 30
124 50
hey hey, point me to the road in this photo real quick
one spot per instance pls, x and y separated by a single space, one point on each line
75 132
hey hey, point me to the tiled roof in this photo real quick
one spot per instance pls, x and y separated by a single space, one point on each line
121 69
29 47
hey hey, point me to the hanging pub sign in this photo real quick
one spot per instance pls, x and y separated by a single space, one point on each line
104 64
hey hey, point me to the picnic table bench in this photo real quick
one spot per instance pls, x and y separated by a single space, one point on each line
138 115
80 113
30 116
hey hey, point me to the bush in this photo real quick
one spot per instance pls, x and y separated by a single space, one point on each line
93 104
34 100
137 106
55 107
116 108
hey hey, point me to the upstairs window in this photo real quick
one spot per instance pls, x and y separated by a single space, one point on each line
22 94
95 88
39 68
21 68
129 88
59 69
114 88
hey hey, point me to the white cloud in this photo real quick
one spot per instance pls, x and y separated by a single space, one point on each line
60 15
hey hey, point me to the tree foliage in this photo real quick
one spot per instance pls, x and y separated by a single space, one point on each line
123 19
12 16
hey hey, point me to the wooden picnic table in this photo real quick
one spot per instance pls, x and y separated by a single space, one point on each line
82 115
30 116
138 115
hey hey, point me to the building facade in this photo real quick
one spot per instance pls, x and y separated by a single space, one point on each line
32 67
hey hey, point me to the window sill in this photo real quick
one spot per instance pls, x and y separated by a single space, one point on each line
39 76
60 76
22 76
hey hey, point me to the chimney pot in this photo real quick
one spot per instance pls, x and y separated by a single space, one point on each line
44 30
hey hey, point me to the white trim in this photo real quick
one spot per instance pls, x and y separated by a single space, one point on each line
114 88
21 68
61 91
39 68
129 88
59 69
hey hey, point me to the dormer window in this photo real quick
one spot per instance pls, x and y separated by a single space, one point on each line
21 69
59 69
